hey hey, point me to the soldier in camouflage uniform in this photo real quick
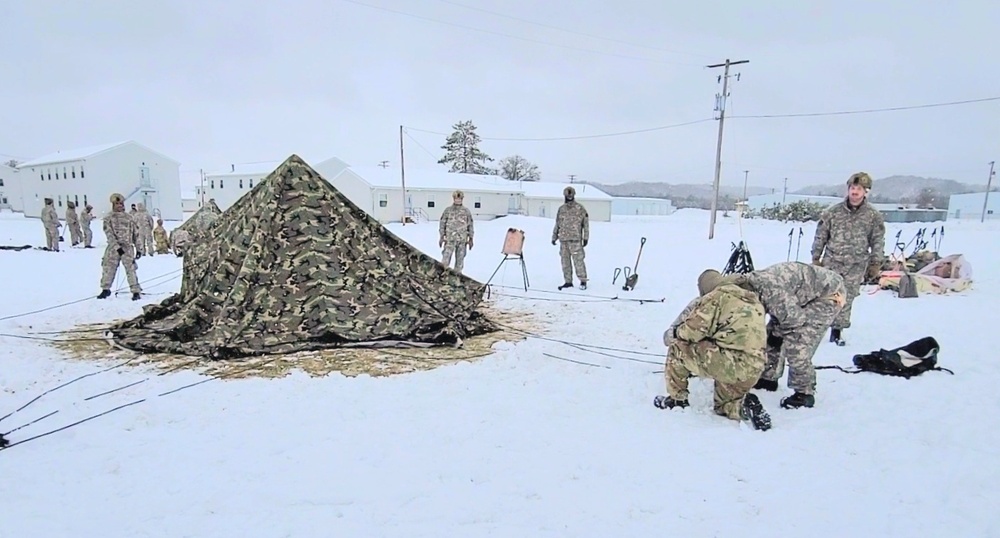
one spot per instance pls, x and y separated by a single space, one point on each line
50 219
456 231
73 223
572 230
85 218
850 241
160 238
120 229
144 230
801 300
178 241
720 336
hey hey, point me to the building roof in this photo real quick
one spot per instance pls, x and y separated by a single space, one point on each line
70 155
552 189
641 199
433 179
262 168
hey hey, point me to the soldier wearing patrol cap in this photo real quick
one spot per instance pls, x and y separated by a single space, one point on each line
120 230
850 241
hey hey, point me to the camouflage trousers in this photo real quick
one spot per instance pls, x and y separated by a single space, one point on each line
458 248
853 275
571 255
75 235
799 347
88 236
146 241
52 237
109 268
734 373
161 246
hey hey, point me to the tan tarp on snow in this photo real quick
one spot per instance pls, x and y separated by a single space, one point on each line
951 274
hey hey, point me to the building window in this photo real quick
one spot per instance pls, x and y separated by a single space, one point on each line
60 200
383 200
42 175
430 200
73 172
48 173
211 184
81 170
76 200
251 183
241 183
221 183
478 202
84 199
64 173
1 182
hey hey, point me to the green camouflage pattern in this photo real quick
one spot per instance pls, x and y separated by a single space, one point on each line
119 227
295 266
572 223
719 336
85 218
73 223
850 241
457 231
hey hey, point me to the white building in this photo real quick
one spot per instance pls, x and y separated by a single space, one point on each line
634 205
543 198
428 191
228 186
90 175
189 201
11 192
970 205
760 201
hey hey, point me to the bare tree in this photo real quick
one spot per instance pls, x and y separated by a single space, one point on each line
517 168
12 163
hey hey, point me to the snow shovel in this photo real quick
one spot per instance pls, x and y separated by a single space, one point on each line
632 279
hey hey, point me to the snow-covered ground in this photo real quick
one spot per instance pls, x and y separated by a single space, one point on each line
519 443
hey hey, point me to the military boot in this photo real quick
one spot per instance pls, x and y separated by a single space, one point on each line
798 400
666 402
136 297
753 411
566 285
583 284
836 338
104 294
766 384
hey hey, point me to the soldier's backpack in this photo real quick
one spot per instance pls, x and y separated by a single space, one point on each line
907 361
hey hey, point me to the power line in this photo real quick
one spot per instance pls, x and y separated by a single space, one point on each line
511 36
581 137
753 116
869 110
568 31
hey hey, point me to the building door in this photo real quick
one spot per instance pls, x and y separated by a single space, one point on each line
541 209
511 205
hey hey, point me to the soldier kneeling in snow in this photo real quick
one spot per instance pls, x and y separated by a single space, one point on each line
720 336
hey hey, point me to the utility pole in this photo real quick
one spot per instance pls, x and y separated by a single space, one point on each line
784 191
720 105
402 172
384 164
201 171
746 174
986 199
572 178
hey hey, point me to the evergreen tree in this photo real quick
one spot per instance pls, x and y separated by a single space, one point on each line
462 150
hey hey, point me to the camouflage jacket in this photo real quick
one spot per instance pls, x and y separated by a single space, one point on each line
179 238
728 316
787 288
49 217
120 229
85 218
71 217
572 223
456 224
850 237
668 334
143 220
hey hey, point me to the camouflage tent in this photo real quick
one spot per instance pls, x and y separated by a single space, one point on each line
295 266
201 220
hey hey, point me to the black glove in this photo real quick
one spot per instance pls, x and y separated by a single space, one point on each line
774 341
584 242
121 252
553 242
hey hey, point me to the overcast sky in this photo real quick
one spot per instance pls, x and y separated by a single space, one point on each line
214 82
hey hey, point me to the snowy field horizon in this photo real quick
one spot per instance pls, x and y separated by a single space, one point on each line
548 436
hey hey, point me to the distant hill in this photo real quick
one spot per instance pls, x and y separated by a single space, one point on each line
897 188
893 189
